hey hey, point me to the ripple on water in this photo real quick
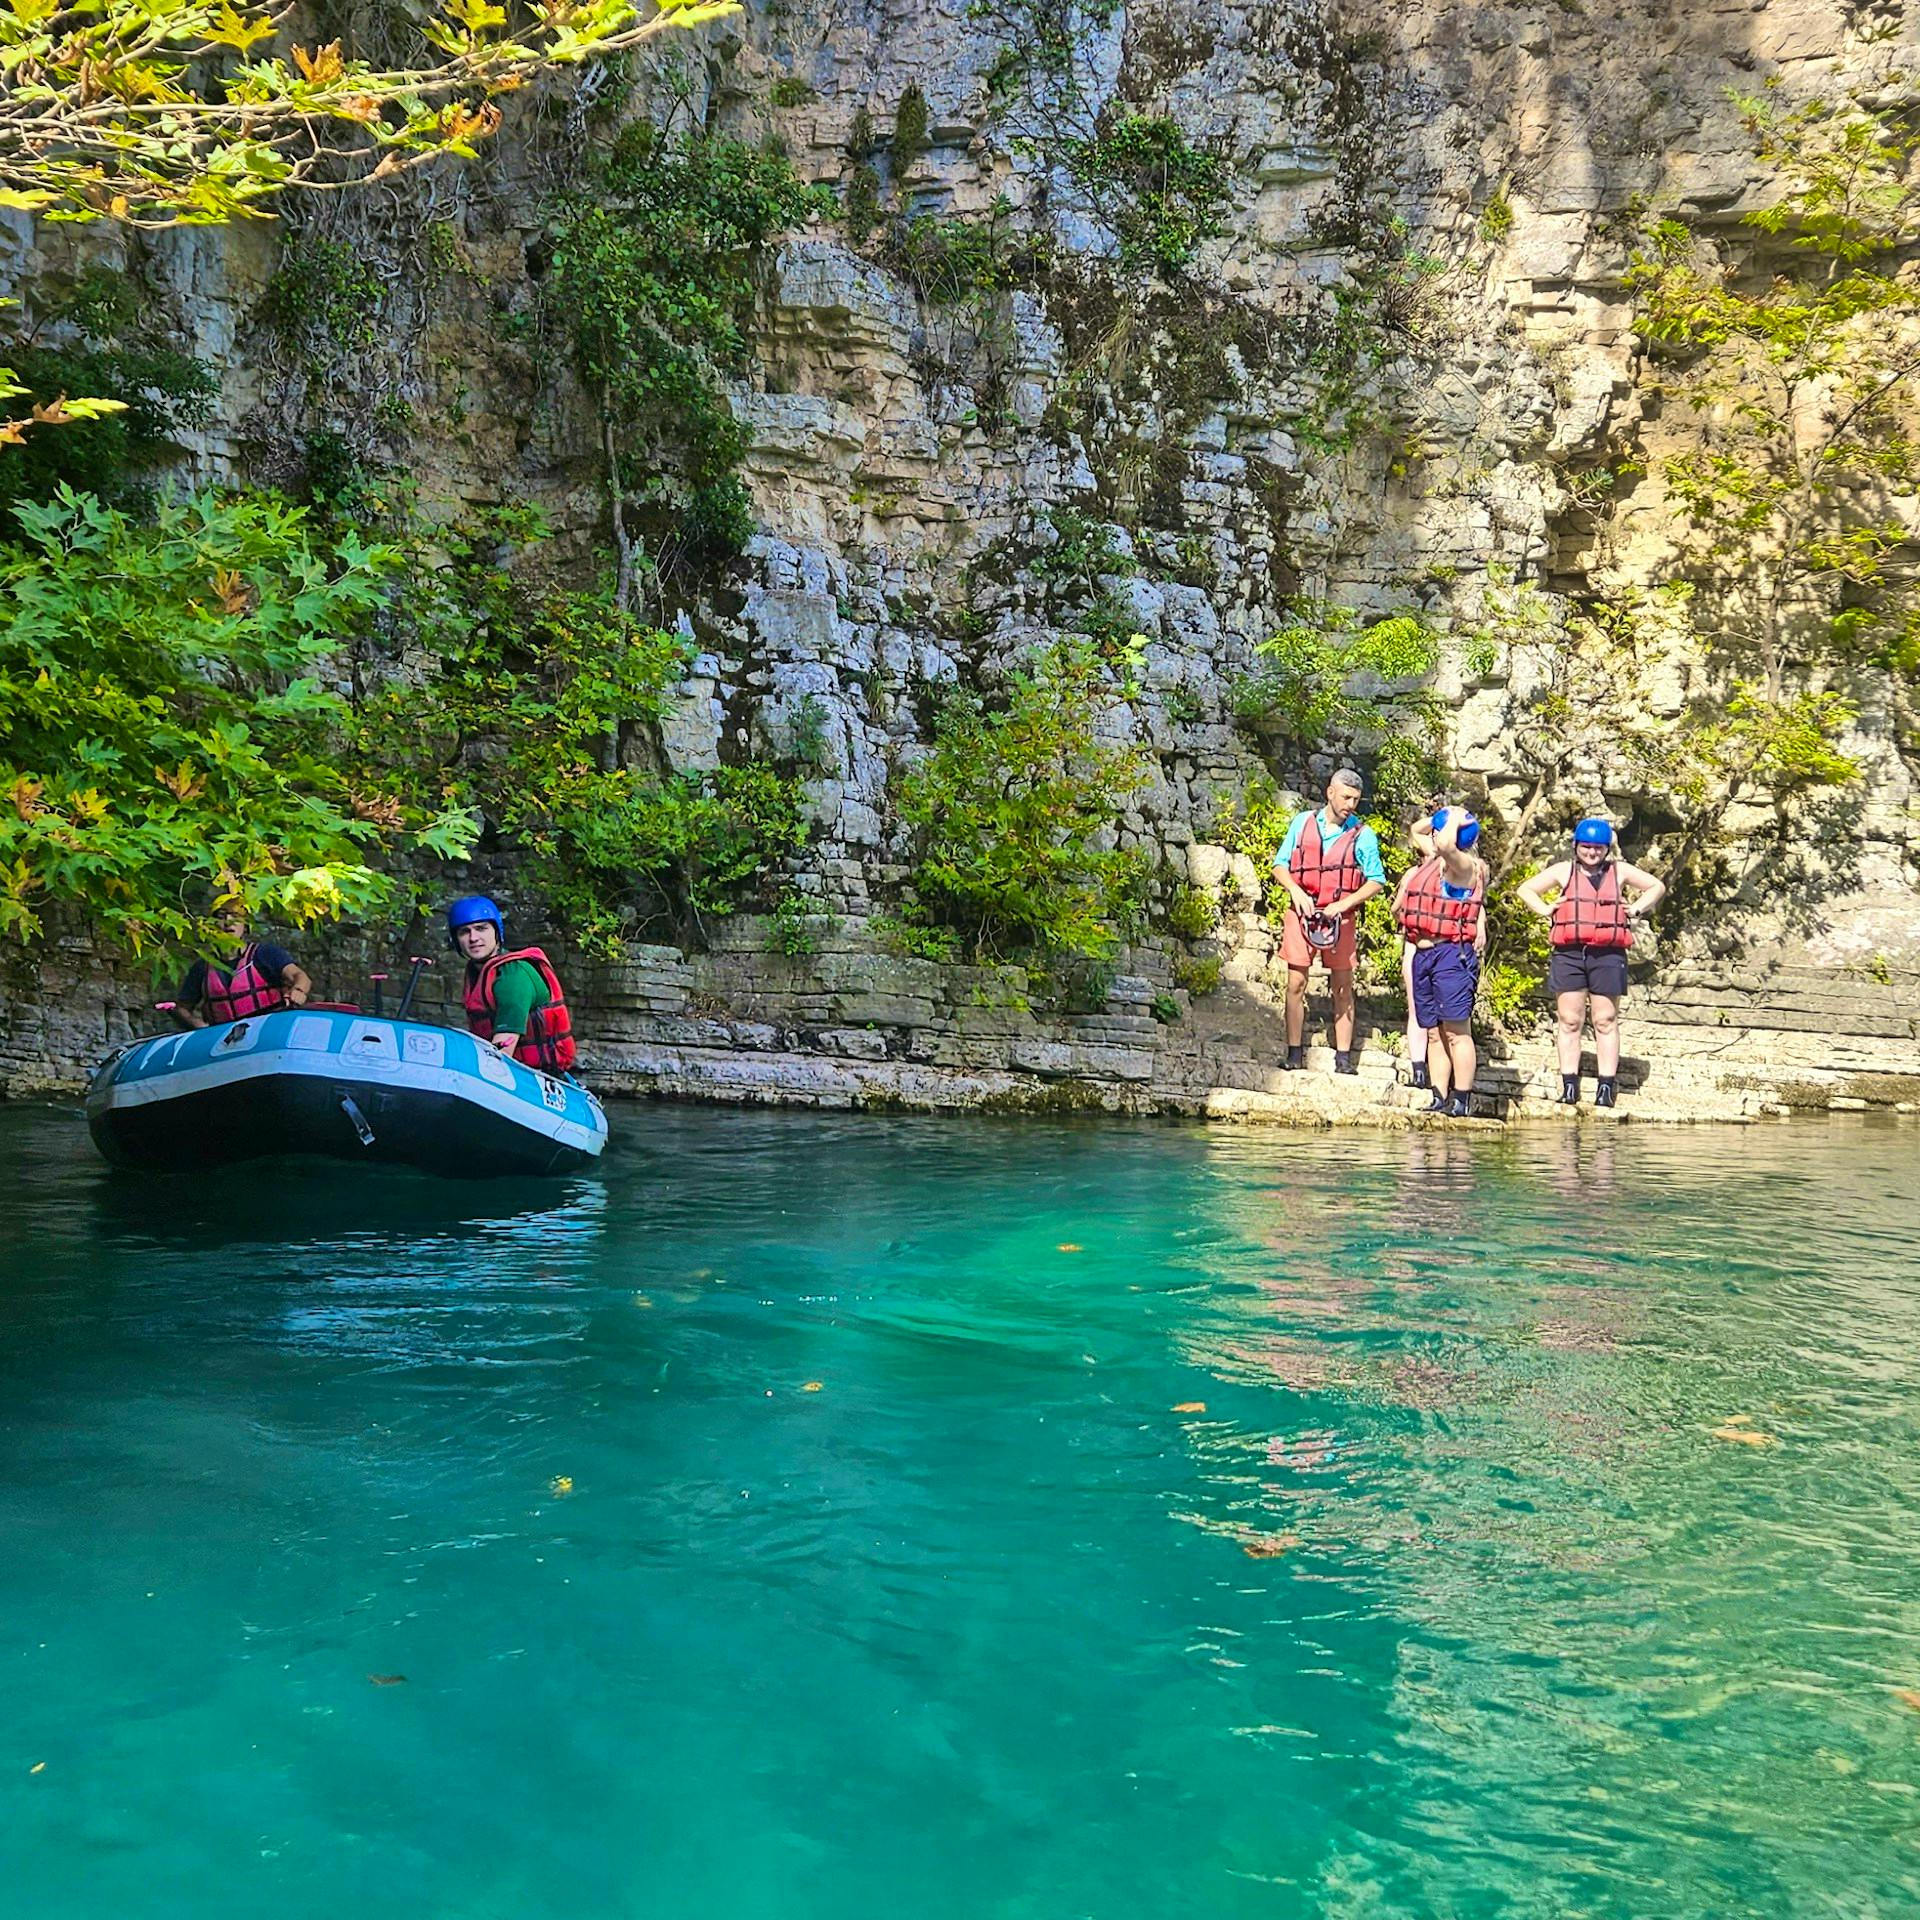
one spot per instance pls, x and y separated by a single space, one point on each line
814 1514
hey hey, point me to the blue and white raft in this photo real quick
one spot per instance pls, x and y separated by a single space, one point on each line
345 1084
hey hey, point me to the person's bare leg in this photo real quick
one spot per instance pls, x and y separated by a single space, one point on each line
1296 1005
1463 1059
1606 1035
1570 1018
1416 1033
1340 979
1439 1062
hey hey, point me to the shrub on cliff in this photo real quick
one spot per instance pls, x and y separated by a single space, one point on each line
1014 810
1330 674
651 283
505 689
167 734
113 349
234 701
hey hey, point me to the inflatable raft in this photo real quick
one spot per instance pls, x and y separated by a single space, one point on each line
350 1085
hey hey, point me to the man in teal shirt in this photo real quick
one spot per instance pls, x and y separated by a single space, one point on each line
1329 863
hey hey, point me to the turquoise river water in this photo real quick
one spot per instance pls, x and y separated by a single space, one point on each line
813 1519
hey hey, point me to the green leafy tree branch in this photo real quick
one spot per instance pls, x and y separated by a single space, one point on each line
169 735
160 113
1796 356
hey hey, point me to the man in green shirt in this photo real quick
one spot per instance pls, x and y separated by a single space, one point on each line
513 999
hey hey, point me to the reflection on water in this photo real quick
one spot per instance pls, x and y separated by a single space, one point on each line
811 1516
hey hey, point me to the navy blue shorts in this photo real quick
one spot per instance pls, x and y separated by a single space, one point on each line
1444 979
1601 970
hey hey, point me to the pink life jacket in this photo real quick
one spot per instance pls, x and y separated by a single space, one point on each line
244 992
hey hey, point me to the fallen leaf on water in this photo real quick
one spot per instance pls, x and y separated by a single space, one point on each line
1191 1406
561 1483
388 1679
812 1386
1268 1546
1905 1695
40 1766
1743 1436
1070 1246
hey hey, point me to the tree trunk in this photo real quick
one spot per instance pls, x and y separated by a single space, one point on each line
616 500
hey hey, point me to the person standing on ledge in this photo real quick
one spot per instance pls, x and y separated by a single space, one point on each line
513 999
257 979
1592 928
1420 839
1442 909
1329 864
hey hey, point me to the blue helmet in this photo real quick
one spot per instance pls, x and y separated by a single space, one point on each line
1593 832
475 908
1469 828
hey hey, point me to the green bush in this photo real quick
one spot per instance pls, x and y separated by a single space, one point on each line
860 201
958 259
1518 949
1197 976
911 125
528 701
1085 552
1161 195
1513 995
700 841
324 298
118 355
1254 824
913 938
1301 690
1011 805
1192 912
792 933
650 283
167 739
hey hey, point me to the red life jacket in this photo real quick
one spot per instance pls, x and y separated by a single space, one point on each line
243 993
1589 915
548 1040
1428 912
1326 871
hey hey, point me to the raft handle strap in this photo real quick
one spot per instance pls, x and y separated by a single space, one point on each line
351 1109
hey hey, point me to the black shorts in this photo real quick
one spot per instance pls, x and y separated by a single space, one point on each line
1601 970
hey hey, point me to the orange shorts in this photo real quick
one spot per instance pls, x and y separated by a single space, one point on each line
1297 951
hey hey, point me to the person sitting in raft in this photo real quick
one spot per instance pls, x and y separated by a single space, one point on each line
257 978
1441 907
513 998
1329 864
1599 896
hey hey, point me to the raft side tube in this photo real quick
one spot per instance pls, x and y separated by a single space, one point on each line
300 1081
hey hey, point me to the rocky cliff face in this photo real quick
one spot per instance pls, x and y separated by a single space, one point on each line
1388 382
